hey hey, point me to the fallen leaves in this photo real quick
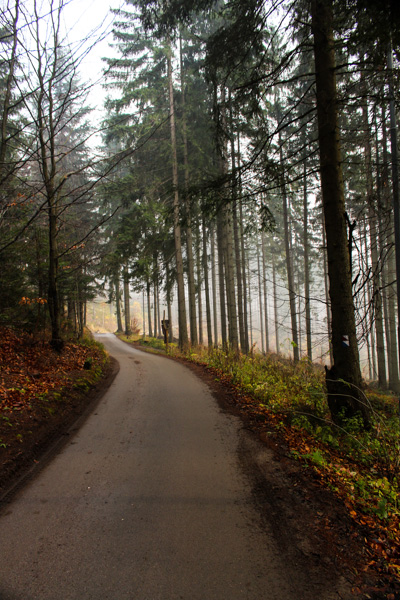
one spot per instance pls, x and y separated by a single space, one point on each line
41 394
30 370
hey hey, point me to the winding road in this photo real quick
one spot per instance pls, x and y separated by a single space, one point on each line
148 500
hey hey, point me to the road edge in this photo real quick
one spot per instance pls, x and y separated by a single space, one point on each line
51 445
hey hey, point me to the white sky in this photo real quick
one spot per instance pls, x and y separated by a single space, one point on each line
91 20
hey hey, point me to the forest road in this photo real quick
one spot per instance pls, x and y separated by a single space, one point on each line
148 500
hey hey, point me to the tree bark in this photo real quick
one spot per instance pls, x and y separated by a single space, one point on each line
221 277
189 236
148 287
390 290
249 305
264 276
199 285
127 308
214 286
230 281
260 298
118 303
326 288
227 233
306 264
238 264
276 315
289 262
395 194
344 378
183 334
207 286
245 281
48 74
373 236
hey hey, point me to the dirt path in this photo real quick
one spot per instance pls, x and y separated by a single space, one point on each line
159 496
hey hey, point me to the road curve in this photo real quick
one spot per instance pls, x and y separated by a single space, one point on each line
147 501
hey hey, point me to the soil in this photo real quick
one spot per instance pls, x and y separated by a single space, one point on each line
303 508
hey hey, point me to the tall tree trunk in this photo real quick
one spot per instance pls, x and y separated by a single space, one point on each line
40 279
199 284
148 288
326 288
183 334
227 233
230 281
191 280
260 298
390 289
169 302
289 261
381 352
80 311
144 315
344 378
276 315
158 309
246 282
367 310
240 292
249 304
156 332
214 286
238 264
207 286
53 295
376 291
127 308
46 132
169 308
221 276
189 236
373 236
394 384
306 264
369 316
395 194
264 276
118 302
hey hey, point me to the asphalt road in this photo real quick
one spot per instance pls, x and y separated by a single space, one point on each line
147 501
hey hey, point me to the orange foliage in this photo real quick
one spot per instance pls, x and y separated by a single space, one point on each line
30 369
26 300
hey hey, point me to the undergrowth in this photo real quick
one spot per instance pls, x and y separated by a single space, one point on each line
365 462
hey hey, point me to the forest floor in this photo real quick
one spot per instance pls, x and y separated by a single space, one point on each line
42 395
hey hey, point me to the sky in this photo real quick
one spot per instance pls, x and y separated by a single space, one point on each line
92 19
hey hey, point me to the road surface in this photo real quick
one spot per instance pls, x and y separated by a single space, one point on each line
147 501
